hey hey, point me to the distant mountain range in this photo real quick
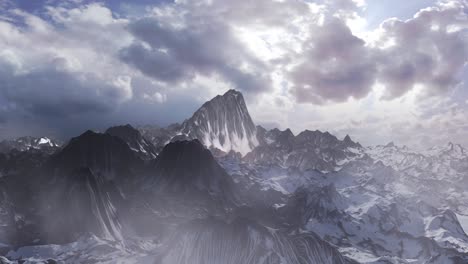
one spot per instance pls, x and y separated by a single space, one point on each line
219 189
29 143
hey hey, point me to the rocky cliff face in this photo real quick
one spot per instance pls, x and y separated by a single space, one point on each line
310 150
223 123
103 154
139 144
244 241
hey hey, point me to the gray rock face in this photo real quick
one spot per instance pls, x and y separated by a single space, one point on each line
159 136
223 123
140 145
78 203
104 154
188 168
244 241
6 217
310 150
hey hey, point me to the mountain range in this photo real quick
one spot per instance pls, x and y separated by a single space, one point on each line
217 188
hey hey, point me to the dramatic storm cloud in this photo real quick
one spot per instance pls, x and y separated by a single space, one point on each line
340 65
205 47
429 50
334 65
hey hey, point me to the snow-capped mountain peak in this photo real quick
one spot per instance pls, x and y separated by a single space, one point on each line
223 123
44 140
26 143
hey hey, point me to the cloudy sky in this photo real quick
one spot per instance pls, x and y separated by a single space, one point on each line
379 70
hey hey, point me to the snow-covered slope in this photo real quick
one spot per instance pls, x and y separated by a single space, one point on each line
447 162
223 123
27 143
438 175
88 248
386 205
309 150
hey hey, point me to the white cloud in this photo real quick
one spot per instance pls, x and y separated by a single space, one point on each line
303 65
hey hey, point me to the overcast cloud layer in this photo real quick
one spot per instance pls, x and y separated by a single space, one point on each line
66 66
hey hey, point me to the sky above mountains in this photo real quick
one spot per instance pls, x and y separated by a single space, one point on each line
379 70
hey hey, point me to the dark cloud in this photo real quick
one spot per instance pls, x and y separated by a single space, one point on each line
201 46
155 63
50 92
44 105
188 39
334 65
429 50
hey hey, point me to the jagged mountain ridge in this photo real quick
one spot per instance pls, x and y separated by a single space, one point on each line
142 146
159 136
79 185
377 213
29 143
222 123
102 153
309 150
450 160
368 204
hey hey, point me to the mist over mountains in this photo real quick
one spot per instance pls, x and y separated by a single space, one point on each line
216 188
